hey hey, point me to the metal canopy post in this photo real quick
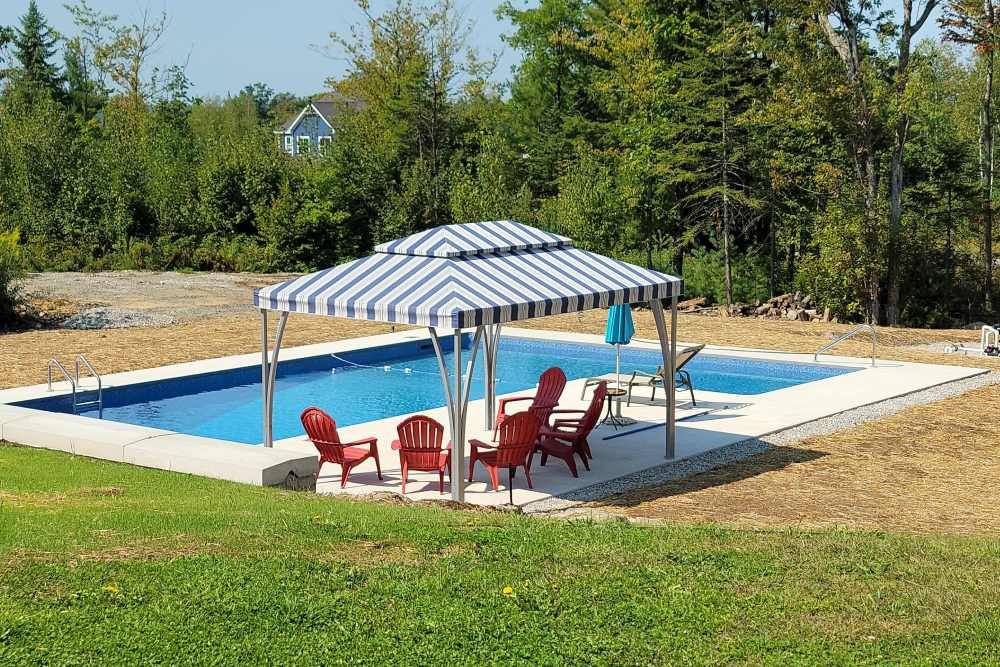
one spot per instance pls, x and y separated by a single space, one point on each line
491 344
458 426
263 378
672 418
668 350
269 372
457 399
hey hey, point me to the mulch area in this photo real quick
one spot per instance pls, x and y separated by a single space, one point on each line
929 468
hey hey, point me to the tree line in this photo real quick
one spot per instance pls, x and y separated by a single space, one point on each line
752 146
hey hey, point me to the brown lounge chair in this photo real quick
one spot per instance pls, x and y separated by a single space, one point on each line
654 380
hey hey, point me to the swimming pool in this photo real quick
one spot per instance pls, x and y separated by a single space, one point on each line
374 383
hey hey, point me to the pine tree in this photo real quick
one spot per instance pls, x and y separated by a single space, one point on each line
975 22
34 48
552 97
6 37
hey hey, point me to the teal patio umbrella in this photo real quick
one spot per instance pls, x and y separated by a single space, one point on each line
619 332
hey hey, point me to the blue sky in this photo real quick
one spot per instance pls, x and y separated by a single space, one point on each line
230 43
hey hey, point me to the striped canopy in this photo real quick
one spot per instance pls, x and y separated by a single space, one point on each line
460 276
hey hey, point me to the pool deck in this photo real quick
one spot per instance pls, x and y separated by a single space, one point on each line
718 420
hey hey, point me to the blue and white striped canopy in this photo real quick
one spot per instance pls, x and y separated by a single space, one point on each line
459 276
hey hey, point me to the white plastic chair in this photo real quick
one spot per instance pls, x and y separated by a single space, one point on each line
988 334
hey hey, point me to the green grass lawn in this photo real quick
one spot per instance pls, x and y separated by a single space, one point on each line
109 564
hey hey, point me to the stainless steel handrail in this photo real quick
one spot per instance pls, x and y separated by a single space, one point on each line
82 359
69 378
74 382
861 328
62 369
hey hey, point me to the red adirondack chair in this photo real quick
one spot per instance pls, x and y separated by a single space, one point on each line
322 430
518 435
420 448
550 387
567 437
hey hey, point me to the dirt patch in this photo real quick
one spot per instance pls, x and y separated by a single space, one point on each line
50 499
32 499
105 491
390 498
159 295
153 549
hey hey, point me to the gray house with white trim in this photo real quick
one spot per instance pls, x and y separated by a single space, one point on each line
312 128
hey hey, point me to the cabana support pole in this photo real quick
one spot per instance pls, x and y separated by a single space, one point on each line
672 425
668 350
492 343
263 377
269 372
458 428
457 399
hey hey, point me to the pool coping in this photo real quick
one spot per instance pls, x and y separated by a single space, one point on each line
170 450
287 464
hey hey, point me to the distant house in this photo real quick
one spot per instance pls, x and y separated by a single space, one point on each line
312 128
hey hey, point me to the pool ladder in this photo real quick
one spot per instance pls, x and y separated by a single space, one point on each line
74 382
861 328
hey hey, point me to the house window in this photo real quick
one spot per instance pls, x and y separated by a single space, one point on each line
325 143
288 143
304 145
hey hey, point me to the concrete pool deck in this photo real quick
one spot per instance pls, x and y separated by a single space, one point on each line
719 421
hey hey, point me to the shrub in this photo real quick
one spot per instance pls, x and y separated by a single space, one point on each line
704 275
11 274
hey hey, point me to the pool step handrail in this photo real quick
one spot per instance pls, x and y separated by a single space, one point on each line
74 382
81 360
861 328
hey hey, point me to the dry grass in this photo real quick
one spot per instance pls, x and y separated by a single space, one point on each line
804 337
929 468
24 355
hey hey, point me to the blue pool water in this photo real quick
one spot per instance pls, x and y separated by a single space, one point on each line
396 380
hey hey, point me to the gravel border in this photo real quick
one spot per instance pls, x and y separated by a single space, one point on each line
569 503
116 318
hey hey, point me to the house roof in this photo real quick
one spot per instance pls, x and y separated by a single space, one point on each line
327 107
468 275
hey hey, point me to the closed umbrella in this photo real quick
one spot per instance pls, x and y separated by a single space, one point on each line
619 332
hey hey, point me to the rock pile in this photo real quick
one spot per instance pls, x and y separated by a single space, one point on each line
792 307
785 307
